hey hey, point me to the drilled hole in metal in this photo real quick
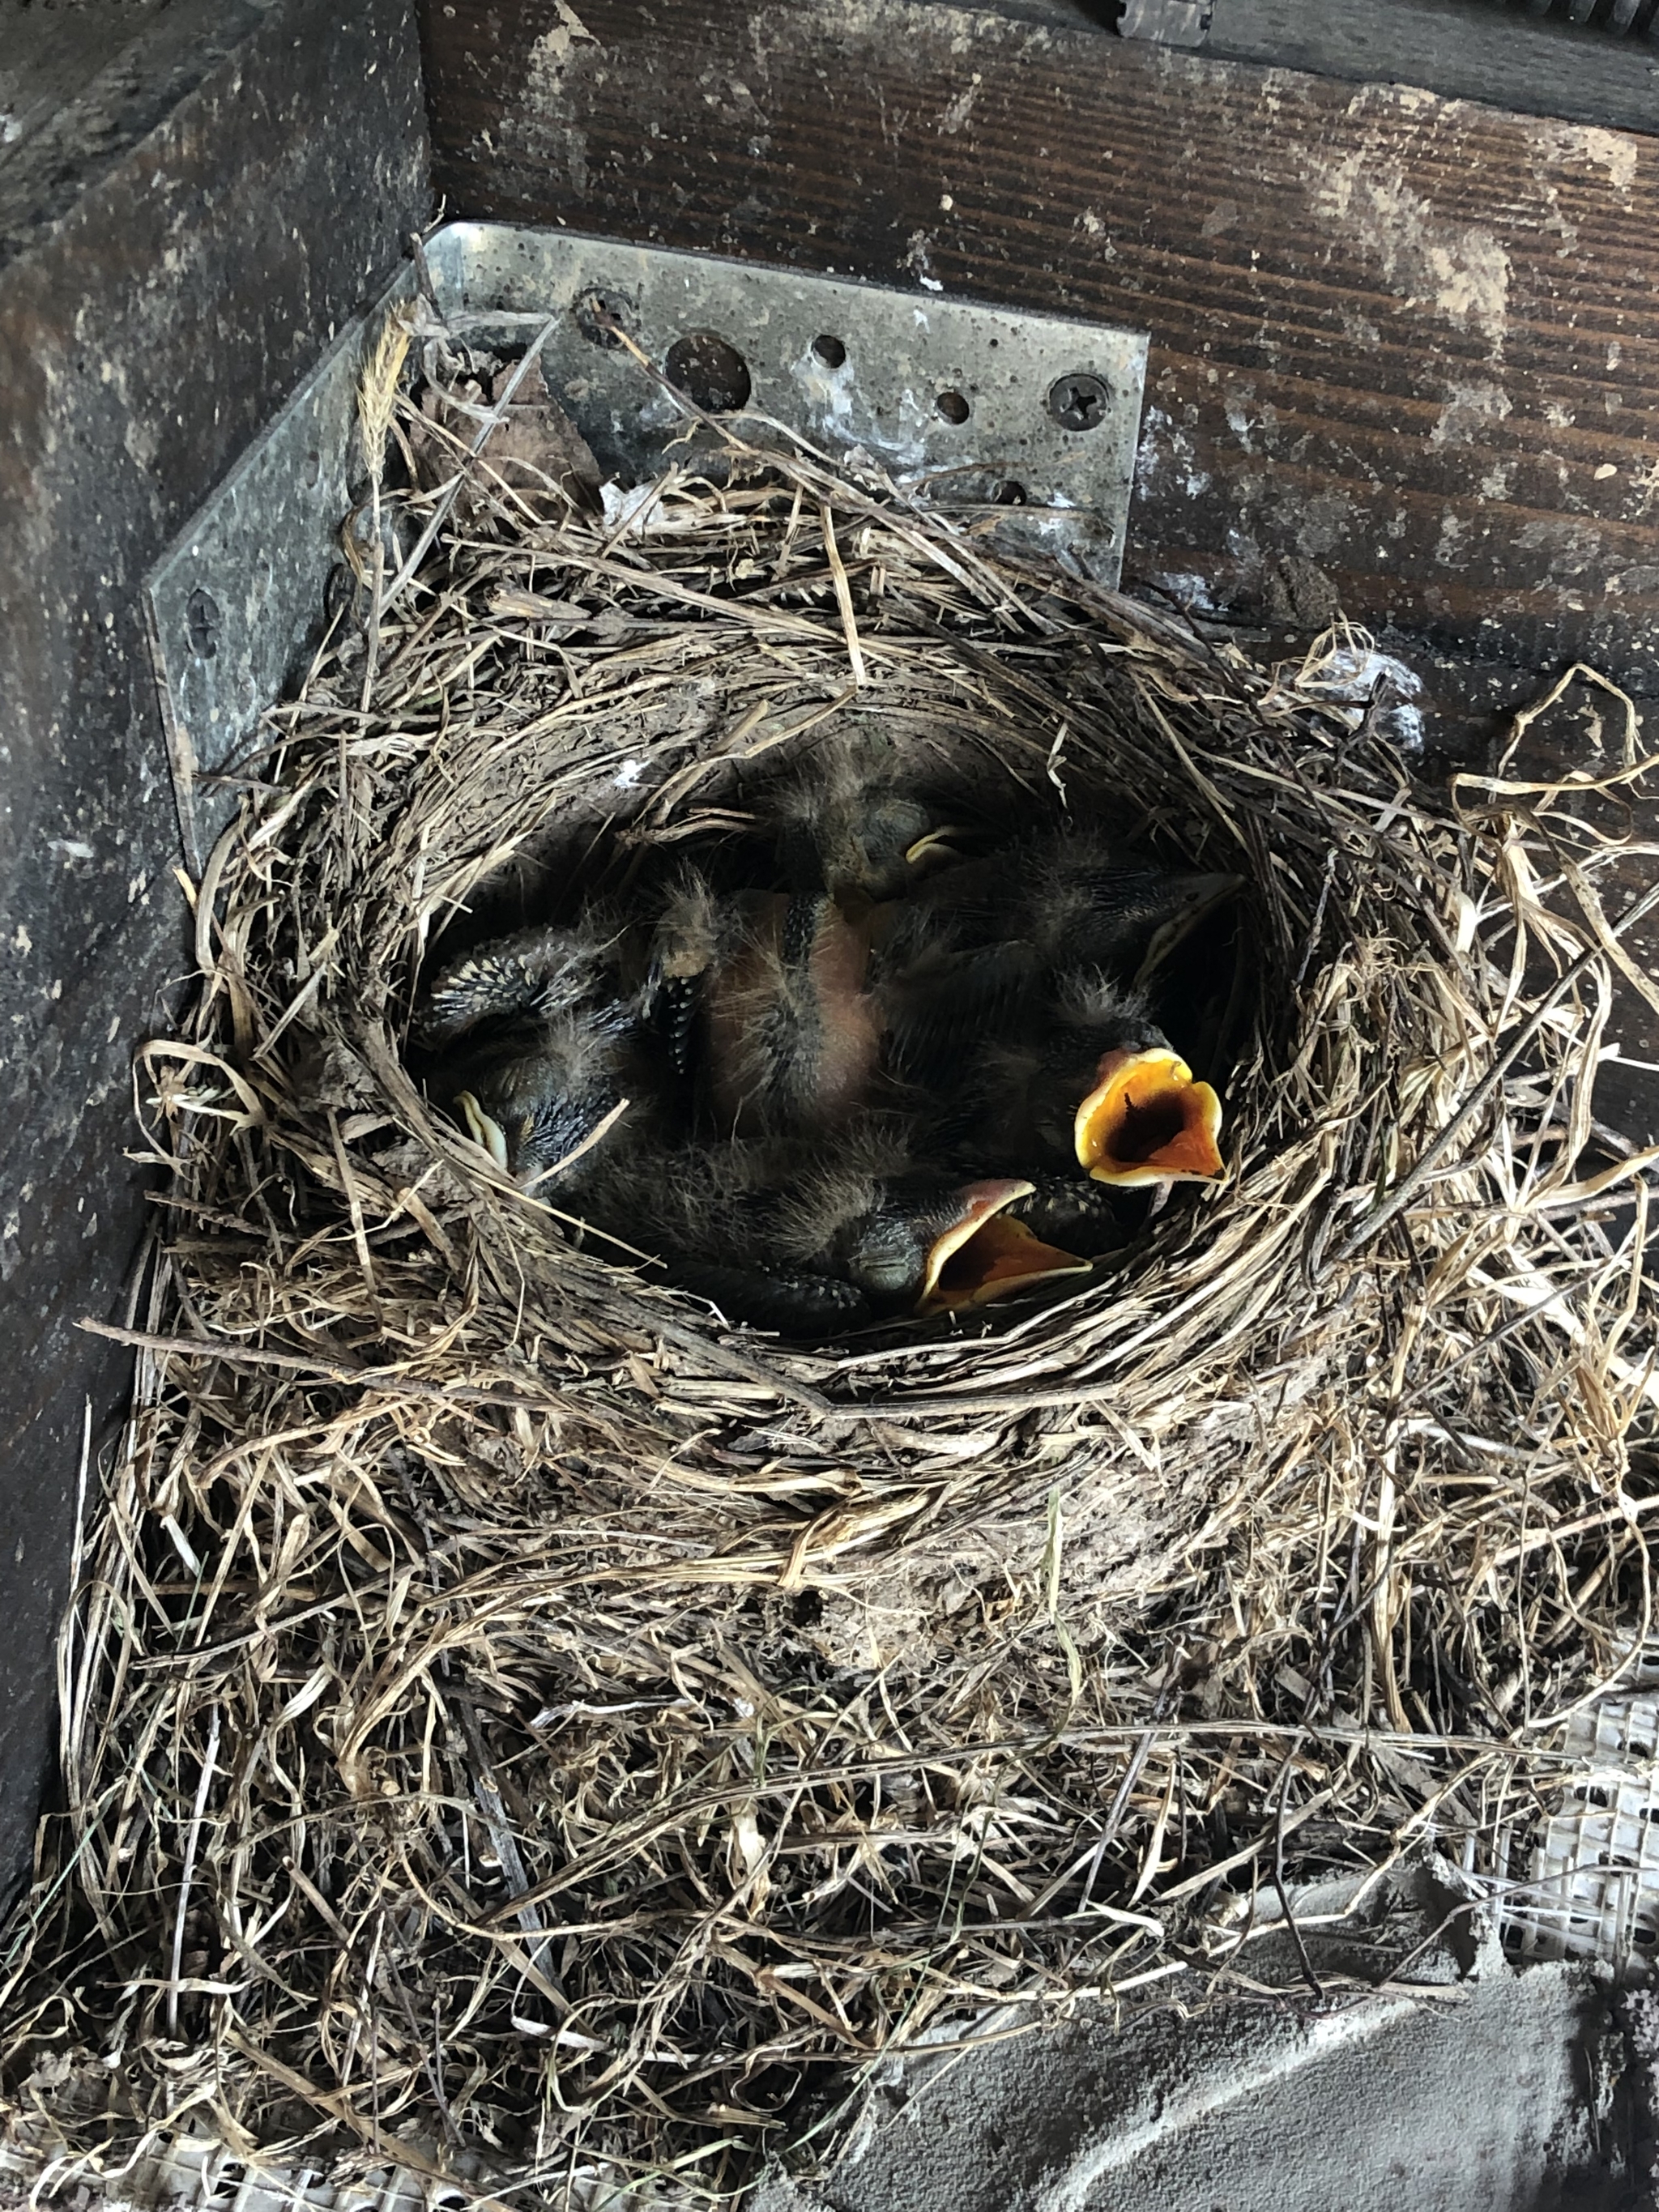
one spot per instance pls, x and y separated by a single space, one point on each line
1010 494
830 350
952 406
710 371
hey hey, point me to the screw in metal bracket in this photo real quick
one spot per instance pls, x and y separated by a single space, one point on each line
600 313
204 620
1078 401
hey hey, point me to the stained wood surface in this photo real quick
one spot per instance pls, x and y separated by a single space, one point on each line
1476 49
1404 349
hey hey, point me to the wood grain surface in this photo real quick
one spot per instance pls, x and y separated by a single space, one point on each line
1404 349
1475 49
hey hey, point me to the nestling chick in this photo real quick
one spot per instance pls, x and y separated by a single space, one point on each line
536 1049
1073 1212
1092 1079
910 1239
765 999
1006 992
850 824
1087 903
811 1240
963 957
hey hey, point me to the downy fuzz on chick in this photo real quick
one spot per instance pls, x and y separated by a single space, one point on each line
962 956
534 1049
810 1239
1007 994
852 822
764 997
1084 1080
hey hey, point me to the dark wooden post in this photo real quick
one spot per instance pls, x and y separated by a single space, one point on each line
192 198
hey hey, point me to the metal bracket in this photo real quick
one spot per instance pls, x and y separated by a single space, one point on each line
236 600
1167 23
1029 419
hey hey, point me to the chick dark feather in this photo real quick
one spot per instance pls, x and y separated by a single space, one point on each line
532 1028
806 1239
856 822
1014 1098
1003 984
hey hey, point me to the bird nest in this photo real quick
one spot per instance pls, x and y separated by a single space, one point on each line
518 1725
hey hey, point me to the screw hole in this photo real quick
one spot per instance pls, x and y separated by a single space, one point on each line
952 406
830 350
711 372
1010 494
596 312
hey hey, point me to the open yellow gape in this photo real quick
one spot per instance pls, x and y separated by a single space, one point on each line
986 1256
1148 1120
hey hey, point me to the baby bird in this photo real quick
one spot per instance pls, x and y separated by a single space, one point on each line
959 959
810 1240
1092 1079
534 1049
1008 994
1086 904
1073 1213
765 999
850 824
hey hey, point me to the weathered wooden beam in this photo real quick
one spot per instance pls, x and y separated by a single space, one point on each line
195 198
1404 348
1509 56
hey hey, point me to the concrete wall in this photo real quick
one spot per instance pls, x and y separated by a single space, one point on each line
192 198
1463 2086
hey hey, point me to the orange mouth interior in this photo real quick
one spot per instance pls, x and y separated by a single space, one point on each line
986 1256
1149 1121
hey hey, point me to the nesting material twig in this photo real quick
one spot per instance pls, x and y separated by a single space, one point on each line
512 1718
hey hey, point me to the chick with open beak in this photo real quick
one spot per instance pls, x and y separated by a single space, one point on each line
1008 997
536 1050
1093 1084
814 1241
1145 1118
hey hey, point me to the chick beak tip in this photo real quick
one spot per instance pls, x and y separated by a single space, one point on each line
1148 1121
934 847
483 1129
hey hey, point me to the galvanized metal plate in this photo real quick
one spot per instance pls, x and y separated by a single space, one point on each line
235 603
971 406
979 403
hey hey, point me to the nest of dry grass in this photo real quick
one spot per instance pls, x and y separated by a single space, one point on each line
515 1725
